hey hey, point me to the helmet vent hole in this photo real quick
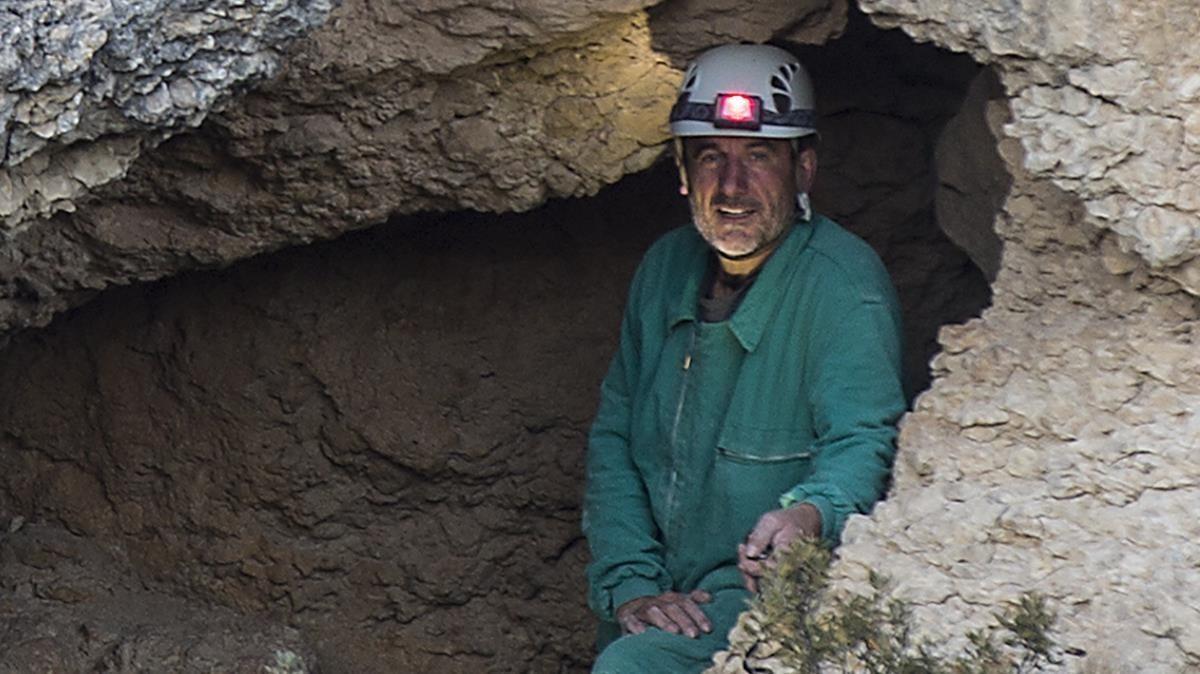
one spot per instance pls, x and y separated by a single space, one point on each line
783 103
778 83
691 79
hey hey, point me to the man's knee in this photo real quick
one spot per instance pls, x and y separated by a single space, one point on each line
630 654
657 651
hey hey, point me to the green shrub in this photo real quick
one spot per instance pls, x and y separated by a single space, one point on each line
814 632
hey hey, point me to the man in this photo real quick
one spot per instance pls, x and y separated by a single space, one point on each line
754 395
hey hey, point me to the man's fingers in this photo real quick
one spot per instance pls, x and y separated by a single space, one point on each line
658 617
751 566
758 543
682 619
696 614
632 625
670 612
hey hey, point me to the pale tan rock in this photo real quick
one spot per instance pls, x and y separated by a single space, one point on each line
684 28
1113 135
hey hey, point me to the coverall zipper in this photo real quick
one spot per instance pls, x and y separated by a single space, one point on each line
683 387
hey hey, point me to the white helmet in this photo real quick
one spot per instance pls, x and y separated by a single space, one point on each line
750 90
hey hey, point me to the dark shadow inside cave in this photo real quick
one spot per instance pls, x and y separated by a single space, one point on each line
886 105
379 440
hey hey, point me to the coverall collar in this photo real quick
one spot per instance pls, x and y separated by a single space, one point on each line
750 319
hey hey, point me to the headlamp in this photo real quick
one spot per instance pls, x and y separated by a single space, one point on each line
738 111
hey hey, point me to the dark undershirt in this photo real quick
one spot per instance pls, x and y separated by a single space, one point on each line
723 292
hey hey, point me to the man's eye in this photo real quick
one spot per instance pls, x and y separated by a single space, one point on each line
760 156
708 158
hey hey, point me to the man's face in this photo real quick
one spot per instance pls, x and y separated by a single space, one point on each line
742 190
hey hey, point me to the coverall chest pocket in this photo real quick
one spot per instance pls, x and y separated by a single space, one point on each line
756 446
753 467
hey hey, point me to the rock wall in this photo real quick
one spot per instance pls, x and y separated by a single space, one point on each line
1055 453
377 441
1055 450
73 604
88 85
390 108
1104 102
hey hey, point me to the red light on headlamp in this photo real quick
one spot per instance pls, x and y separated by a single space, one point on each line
738 111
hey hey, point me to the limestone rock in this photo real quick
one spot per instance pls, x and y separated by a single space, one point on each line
389 109
684 28
1054 451
1104 103
87 85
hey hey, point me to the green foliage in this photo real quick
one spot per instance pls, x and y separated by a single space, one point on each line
818 633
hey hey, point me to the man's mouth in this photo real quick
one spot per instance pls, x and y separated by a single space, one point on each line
734 212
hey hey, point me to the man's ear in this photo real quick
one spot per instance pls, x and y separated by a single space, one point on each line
806 169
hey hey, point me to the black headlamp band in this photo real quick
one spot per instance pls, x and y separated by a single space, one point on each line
707 112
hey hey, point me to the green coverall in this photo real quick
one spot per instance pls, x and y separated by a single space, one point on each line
703 427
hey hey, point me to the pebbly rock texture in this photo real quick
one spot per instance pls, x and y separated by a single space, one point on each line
1055 450
1105 103
87 85
1055 453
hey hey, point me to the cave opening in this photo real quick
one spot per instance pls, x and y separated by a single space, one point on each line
378 441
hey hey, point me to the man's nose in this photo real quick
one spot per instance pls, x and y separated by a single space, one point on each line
733 177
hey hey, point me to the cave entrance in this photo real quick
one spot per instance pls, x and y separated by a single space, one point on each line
908 163
379 440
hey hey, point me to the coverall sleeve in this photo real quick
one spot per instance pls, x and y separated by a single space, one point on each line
627 556
856 398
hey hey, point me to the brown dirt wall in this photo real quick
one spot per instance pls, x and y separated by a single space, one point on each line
379 439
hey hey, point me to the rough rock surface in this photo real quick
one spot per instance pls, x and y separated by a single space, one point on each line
390 108
684 28
352 134
86 85
377 441
72 605
1055 451
1105 102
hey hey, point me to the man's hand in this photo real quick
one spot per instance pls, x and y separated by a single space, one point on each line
670 611
775 531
